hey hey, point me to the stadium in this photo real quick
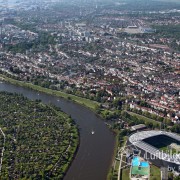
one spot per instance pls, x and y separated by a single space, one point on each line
159 147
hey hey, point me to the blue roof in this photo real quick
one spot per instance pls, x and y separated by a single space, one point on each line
136 162
144 164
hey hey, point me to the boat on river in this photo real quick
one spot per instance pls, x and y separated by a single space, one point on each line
92 132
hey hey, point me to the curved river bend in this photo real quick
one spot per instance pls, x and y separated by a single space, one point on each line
95 152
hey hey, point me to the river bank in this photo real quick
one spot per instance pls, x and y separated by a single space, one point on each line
83 101
95 154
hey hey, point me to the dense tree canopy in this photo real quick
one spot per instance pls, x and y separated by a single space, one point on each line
40 139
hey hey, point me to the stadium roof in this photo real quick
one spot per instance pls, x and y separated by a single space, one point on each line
137 127
137 140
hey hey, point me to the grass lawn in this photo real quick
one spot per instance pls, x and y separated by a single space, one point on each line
117 167
143 118
155 173
125 174
88 103
115 173
167 150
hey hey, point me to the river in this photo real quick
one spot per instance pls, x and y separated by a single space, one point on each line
94 156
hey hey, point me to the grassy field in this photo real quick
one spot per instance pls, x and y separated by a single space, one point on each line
86 102
143 118
155 173
125 174
115 173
